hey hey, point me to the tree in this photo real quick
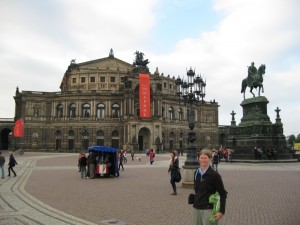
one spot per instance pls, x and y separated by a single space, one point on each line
298 138
291 140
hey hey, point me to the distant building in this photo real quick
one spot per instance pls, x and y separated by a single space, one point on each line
99 105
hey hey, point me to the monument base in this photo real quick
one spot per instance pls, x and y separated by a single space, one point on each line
256 130
188 176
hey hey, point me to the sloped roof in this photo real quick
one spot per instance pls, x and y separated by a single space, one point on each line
104 63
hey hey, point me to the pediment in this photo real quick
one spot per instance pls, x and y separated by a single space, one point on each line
109 63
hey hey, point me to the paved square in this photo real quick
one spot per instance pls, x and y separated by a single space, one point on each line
49 190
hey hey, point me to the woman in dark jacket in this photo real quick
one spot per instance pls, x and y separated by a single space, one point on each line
11 163
207 182
173 168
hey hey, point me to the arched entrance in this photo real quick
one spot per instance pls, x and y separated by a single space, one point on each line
85 139
171 141
144 139
58 140
71 136
115 139
5 140
222 139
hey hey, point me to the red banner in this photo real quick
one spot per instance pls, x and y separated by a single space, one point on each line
144 92
19 128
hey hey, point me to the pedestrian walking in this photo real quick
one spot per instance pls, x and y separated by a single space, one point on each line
215 159
125 157
121 160
206 183
226 154
83 164
173 168
151 155
2 162
11 164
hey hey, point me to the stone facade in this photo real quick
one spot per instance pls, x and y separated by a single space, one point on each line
99 105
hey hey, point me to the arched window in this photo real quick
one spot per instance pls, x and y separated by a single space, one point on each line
115 134
59 111
115 139
180 114
115 110
100 138
100 133
137 107
171 113
72 110
100 111
86 110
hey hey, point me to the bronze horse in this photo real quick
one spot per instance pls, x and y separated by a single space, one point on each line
254 81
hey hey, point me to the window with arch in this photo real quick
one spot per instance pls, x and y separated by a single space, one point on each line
100 138
180 114
59 111
171 113
115 110
115 134
137 107
86 110
115 139
72 110
100 133
100 111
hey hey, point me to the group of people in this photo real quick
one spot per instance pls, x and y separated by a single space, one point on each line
222 153
11 164
225 153
207 182
87 164
260 153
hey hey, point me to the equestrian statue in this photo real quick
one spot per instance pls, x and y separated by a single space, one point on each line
139 60
255 79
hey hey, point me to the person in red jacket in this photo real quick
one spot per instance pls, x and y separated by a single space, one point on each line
151 155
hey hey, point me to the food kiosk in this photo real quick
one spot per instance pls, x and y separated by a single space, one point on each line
106 160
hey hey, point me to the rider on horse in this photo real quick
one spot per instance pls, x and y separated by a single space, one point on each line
252 71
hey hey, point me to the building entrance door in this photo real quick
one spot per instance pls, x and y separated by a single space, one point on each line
144 139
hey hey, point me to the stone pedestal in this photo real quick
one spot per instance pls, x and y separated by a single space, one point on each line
188 176
256 130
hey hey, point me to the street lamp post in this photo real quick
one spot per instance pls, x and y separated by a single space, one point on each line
191 92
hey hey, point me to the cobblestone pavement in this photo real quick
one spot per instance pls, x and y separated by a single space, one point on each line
48 190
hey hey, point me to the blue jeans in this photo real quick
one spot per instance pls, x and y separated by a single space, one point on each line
2 170
83 171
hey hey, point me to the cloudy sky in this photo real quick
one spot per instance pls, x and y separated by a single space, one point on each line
219 38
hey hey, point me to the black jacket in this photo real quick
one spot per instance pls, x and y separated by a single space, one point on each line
12 162
174 166
207 185
83 161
